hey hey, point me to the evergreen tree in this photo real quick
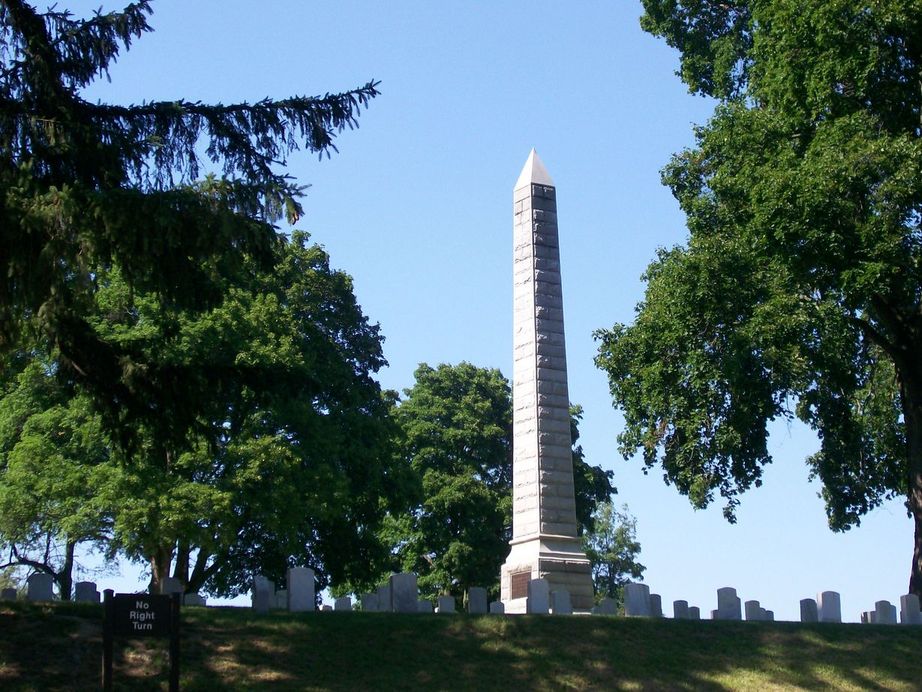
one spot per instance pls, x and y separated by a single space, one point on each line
86 188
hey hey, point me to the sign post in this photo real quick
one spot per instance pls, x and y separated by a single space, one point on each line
140 615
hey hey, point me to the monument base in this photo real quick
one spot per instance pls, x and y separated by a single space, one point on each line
559 559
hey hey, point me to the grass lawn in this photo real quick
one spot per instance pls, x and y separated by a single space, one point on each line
59 647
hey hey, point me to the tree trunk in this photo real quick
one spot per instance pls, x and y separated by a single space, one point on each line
913 418
65 576
160 567
181 569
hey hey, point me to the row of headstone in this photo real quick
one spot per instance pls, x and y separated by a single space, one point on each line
401 595
639 602
299 597
826 608
884 612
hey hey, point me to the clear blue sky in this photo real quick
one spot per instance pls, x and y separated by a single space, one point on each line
417 207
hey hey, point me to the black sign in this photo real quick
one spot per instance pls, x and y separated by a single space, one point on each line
142 615
139 615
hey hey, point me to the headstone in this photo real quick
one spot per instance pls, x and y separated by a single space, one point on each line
477 600
656 605
680 610
370 602
8 594
909 610
404 593
262 600
86 592
808 610
193 599
497 608
544 541
607 606
343 603
424 606
886 613
829 606
41 587
694 613
326 608
301 597
171 585
637 600
865 617
728 604
263 596
560 602
281 599
753 611
872 617
384 598
768 615
539 597
446 604
715 615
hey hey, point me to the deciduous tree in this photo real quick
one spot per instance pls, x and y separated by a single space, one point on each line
799 292
456 433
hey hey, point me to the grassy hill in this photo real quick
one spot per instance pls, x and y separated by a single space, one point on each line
59 647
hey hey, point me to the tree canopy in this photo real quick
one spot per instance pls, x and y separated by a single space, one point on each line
456 434
287 460
799 292
86 188
612 548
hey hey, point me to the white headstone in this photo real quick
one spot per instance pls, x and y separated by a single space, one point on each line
171 585
404 593
539 597
477 600
40 587
343 603
909 610
607 606
263 596
446 604
728 604
886 613
301 596
637 600
86 592
753 611
680 610
384 598
262 600
656 605
809 611
8 594
560 602
193 599
370 602
829 606
694 613
497 608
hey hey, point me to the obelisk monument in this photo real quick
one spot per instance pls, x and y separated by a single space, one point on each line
544 541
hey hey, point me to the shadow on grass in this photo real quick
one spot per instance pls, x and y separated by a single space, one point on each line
59 647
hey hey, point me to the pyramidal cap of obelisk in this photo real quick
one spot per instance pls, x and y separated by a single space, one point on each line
544 541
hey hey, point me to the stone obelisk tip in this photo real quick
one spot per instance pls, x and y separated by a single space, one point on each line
533 172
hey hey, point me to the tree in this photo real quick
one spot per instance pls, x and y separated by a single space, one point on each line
612 548
85 188
284 460
799 292
456 433
53 459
